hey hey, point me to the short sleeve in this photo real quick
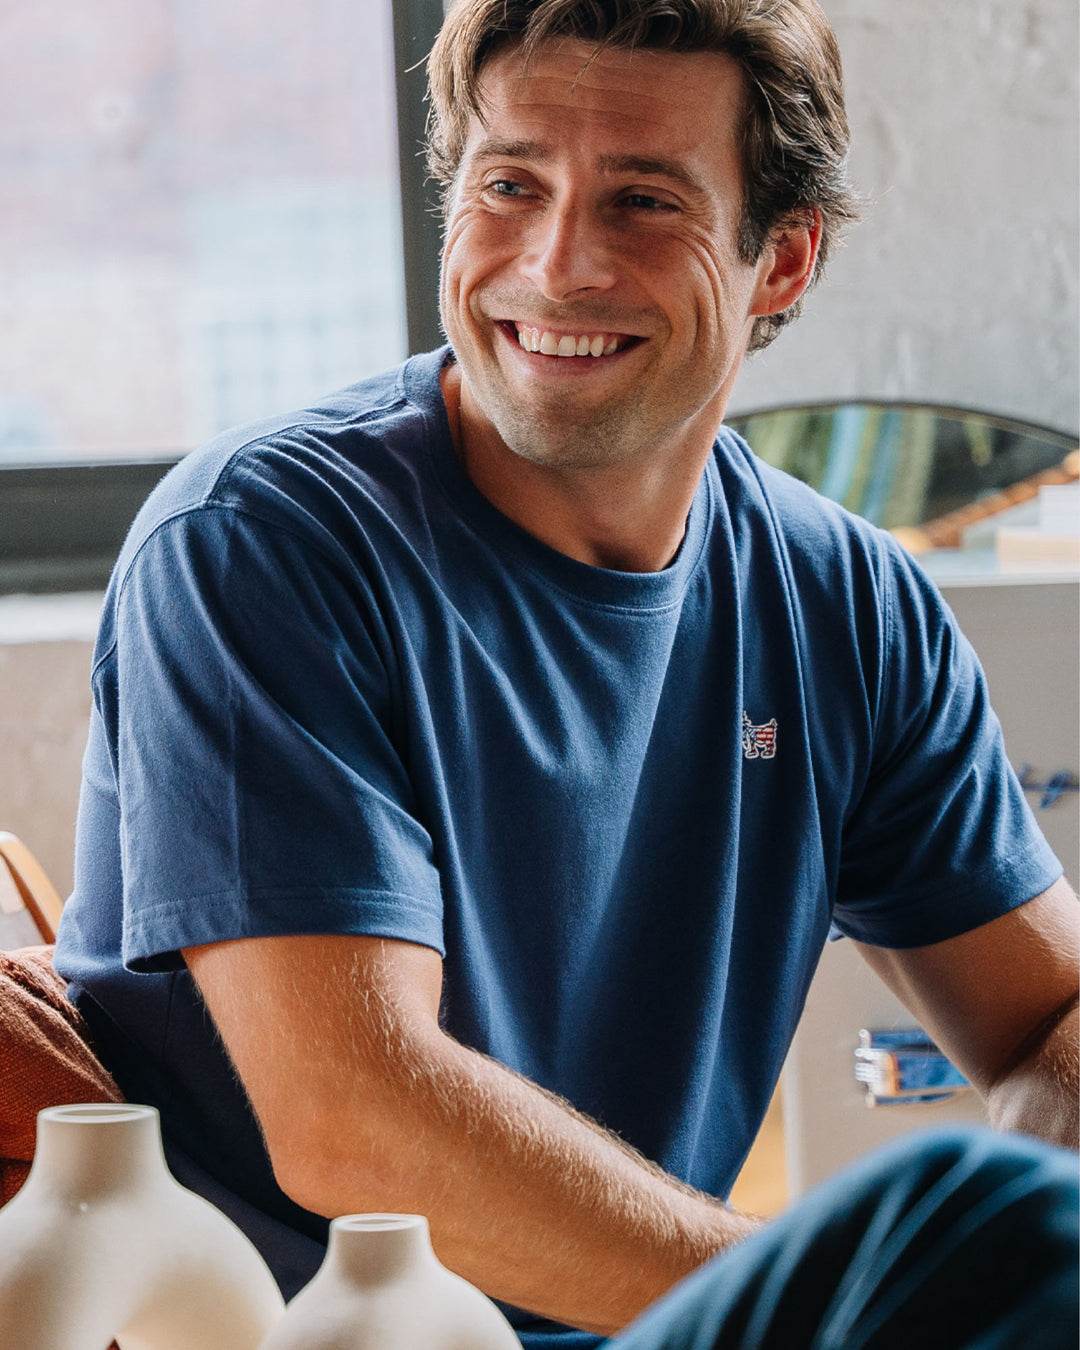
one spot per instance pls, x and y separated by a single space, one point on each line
941 839
262 791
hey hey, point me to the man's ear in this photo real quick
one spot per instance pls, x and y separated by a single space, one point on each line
786 265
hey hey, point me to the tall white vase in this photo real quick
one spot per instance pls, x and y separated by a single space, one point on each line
381 1287
102 1243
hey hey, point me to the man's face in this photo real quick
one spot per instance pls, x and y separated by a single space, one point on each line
596 212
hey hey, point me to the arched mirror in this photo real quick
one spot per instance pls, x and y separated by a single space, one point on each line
930 474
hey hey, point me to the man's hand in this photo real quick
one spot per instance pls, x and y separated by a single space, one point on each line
1001 1001
367 1105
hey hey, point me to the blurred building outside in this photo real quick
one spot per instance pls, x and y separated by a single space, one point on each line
201 220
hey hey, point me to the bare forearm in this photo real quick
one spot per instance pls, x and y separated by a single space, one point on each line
528 1200
1040 1093
367 1106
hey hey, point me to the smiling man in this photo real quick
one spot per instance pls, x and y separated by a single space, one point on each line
594 292
490 750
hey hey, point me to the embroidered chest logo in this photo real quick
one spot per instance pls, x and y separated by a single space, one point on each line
758 742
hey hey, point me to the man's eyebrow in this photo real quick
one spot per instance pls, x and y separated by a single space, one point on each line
499 147
649 166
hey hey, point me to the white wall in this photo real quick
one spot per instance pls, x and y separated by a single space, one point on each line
960 285
46 645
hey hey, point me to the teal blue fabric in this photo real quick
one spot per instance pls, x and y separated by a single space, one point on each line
336 691
956 1240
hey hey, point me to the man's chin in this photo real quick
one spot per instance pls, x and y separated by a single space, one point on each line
559 442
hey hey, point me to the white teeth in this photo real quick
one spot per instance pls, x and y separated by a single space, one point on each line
548 344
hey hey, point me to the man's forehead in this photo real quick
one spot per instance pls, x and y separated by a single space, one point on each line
586 72
694 97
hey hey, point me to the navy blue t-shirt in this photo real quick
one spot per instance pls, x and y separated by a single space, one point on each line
336 691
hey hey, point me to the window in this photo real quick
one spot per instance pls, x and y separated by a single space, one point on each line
206 224
203 225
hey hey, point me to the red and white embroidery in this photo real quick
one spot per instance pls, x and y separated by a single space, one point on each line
758 742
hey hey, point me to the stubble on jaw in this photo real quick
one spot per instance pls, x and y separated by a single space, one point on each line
555 439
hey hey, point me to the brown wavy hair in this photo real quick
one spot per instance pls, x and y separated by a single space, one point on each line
794 138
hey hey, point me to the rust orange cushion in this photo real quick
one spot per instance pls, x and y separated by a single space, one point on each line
46 1058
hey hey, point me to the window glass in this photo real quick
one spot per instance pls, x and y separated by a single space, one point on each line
201 218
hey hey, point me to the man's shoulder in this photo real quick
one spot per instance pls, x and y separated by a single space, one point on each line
345 453
813 531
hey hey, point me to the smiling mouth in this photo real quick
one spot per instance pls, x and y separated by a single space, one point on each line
548 343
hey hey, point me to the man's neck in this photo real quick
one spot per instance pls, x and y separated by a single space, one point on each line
629 518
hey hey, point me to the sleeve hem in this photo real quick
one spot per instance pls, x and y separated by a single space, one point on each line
153 942
926 919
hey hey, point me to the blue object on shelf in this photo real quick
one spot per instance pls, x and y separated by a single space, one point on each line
899 1068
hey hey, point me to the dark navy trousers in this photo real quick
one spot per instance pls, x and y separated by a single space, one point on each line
956 1240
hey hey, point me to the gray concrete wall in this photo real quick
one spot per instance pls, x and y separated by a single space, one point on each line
960 285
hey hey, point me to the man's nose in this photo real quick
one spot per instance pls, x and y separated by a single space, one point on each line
569 251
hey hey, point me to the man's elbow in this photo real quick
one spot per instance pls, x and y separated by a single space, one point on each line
1039 1091
332 1160
358 1140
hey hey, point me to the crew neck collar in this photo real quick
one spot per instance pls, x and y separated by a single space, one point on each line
595 585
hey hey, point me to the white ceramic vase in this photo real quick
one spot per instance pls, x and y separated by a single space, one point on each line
102 1243
381 1287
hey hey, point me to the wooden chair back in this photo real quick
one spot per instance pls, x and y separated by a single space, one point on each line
29 904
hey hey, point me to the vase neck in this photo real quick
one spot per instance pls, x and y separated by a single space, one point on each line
377 1248
88 1151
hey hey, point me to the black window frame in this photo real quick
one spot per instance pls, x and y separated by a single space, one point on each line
62 524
